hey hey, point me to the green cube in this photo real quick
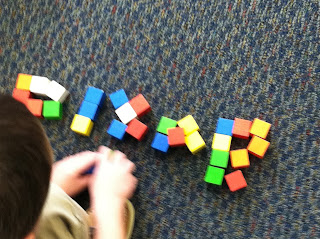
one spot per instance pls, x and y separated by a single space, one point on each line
165 124
52 110
214 175
219 158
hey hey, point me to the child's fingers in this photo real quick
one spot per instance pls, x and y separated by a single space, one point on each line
104 150
83 161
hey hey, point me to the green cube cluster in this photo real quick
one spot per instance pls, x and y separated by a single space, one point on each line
165 124
214 175
219 158
52 110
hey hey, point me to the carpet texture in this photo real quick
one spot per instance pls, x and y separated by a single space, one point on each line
210 59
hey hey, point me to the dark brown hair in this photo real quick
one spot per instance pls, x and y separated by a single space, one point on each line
25 167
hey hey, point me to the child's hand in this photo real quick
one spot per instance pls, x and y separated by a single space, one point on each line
68 173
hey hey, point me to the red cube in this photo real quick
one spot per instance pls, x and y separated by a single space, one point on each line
35 107
140 105
176 137
21 95
241 128
235 181
137 129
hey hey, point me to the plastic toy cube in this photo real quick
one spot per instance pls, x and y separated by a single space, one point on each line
224 126
221 142
188 124
241 128
176 137
160 142
95 96
35 107
118 98
219 158
89 110
82 125
258 146
52 110
166 123
39 85
23 81
195 142
21 95
117 129
126 113
137 129
239 158
235 181
260 128
140 105
214 175
57 92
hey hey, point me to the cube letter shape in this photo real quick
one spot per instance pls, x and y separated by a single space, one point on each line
188 124
160 142
23 81
89 110
214 175
239 158
224 126
82 125
258 146
95 96
137 129
21 95
118 98
166 123
219 158
260 128
195 142
140 105
235 180
57 92
241 128
117 129
35 107
52 110
221 142
39 85
176 137
126 113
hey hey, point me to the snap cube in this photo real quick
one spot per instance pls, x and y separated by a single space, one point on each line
57 92
39 85
176 137
160 142
224 126
35 107
219 158
137 129
166 123
21 95
23 81
82 125
117 129
140 105
235 181
89 110
52 110
188 124
126 113
95 96
258 146
239 158
260 128
221 142
195 142
118 98
214 175
241 128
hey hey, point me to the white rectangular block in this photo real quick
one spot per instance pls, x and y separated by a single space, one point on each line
39 85
57 92
126 113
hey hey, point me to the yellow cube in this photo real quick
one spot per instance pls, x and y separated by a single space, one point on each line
258 146
221 142
195 142
239 158
82 125
260 128
188 124
23 81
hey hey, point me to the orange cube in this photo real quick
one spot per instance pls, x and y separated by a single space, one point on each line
235 180
23 81
258 146
176 137
260 128
35 107
239 158
241 128
21 95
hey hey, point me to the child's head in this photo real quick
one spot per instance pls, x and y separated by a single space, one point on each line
25 167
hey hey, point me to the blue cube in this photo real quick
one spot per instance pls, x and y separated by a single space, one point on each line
95 96
89 110
118 98
224 126
160 142
117 129
90 170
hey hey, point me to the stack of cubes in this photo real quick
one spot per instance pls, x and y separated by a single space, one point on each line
28 85
83 121
128 111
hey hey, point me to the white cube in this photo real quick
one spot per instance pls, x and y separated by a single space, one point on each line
57 92
39 85
126 113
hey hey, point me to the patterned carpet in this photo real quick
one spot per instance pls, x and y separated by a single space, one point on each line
206 58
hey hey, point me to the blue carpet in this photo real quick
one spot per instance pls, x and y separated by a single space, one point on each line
210 59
